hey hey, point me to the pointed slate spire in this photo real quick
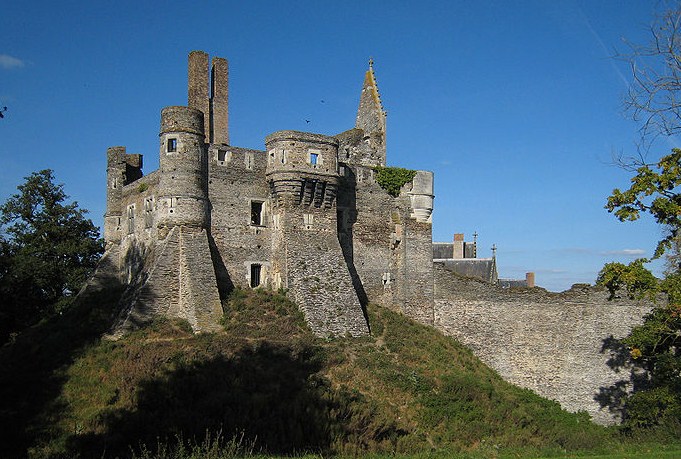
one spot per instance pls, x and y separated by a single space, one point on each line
370 115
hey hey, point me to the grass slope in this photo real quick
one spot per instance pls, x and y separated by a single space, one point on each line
265 384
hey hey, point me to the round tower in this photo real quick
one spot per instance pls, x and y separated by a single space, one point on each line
302 168
183 191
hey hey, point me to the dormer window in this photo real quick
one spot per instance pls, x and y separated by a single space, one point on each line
171 146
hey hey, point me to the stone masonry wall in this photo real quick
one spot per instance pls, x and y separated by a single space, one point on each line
199 299
418 275
139 204
177 280
552 343
367 233
391 252
317 276
153 294
234 181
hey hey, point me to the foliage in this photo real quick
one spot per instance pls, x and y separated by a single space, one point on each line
654 348
211 447
633 278
392 179
47 251
34 364
654 190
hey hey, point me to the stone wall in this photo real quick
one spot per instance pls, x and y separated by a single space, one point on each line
236 178
139 204
174 279
388 251
552 343
316 274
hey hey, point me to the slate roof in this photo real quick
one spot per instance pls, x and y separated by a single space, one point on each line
484 269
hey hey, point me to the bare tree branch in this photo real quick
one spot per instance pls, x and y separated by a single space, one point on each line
653 97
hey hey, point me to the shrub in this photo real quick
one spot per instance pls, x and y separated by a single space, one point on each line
392 179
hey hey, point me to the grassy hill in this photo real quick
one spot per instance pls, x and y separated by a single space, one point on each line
265 385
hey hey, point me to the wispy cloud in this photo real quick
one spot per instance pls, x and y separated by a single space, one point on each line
626 252
9 62
604 48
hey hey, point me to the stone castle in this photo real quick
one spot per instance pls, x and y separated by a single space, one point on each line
308 215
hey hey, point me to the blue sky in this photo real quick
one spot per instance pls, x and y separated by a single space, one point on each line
515 105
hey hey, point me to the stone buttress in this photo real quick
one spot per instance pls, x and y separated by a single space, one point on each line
178 278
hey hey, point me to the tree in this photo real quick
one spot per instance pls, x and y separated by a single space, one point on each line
634 279
654 190
47 250
654 347
653 98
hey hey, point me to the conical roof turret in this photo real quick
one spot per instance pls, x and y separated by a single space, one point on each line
370 114
371 120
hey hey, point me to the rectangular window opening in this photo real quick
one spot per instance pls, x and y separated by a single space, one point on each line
256 213
148 212
222 154
255 274
131 219
172 145
313 158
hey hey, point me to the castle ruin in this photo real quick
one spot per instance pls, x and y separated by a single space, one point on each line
306 214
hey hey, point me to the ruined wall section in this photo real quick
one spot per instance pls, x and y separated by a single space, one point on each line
551 343
237 187
388 247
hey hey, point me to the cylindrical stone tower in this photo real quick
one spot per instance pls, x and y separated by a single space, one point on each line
183 192
302 168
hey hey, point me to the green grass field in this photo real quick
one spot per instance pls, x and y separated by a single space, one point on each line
266 385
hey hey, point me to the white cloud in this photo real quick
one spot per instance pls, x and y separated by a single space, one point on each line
626 252
9 62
